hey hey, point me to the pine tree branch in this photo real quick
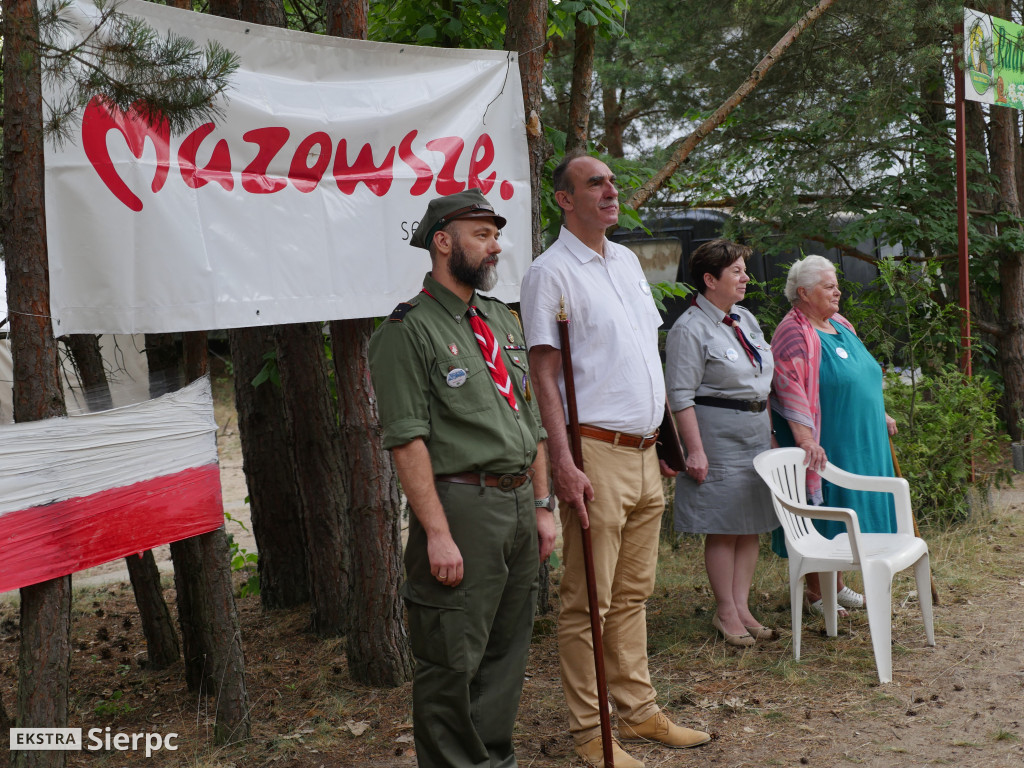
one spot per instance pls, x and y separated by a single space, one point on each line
646 190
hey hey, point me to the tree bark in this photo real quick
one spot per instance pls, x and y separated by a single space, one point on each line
229 9
582 87
376 643
163 363
613 125
210 630
44 661
1011 271
687 145
275 506
320 472
526 32
347 18
162 647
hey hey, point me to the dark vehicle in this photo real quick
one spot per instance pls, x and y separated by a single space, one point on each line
675 232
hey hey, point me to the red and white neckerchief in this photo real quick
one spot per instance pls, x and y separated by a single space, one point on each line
492 356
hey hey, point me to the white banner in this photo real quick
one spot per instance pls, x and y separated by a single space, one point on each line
299 203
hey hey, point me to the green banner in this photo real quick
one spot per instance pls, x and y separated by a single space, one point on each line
993 59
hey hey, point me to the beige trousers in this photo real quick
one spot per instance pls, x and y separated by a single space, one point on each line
625 521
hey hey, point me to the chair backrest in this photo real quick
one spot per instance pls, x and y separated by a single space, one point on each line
784 471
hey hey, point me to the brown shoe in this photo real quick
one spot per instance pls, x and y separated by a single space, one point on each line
593 753
662 730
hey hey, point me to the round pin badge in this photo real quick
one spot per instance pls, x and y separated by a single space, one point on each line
456 377
645 287
732 354
842 353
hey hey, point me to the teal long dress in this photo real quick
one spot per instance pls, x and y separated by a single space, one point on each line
853 432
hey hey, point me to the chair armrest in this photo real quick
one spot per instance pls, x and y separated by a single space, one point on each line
897 486
838 514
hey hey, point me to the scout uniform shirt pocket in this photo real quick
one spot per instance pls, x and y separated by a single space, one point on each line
464 383
518 370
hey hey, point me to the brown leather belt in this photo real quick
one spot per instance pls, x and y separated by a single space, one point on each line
754 406
502 482
619 438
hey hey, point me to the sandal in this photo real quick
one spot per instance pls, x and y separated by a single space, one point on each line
818 608
847 598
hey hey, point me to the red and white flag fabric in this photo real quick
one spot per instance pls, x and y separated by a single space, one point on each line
81 491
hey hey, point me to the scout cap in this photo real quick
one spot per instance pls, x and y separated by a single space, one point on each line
470 204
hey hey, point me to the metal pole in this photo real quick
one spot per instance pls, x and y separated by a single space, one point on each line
961 208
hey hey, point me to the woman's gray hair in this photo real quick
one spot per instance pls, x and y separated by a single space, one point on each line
806 274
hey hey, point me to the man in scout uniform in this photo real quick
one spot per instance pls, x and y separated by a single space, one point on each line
450 372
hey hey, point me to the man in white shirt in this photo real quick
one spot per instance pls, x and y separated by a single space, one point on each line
620 396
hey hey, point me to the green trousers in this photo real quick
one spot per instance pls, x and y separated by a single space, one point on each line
471 642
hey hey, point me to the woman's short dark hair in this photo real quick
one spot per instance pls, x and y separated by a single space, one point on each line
714 256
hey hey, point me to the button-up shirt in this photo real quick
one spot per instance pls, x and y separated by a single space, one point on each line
613 331
704 357
431 382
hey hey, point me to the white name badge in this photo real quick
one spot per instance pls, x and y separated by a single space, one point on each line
456 377
842 353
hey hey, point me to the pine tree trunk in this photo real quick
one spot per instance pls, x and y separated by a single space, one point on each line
320 472
378 648
526 33
1005 142
157 626
163 362
210 630
84 349
582 87
613 124
377 645
275 506
162 648
44 661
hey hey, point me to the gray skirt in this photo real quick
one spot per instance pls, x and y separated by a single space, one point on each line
733 499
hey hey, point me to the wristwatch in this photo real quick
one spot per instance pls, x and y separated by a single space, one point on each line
545 502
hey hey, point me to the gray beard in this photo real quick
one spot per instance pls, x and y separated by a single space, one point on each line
480 278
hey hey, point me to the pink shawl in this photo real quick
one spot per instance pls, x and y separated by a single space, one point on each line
797 352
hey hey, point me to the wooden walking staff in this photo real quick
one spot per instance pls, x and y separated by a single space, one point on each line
576 447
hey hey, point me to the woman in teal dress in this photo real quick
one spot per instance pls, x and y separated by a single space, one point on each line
827 399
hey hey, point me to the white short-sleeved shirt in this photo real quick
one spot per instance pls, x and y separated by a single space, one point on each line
613 331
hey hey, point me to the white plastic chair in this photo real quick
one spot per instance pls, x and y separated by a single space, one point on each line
877 555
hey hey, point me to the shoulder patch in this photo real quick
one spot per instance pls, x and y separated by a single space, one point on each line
398 313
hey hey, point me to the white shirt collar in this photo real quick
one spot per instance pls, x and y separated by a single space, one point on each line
578 248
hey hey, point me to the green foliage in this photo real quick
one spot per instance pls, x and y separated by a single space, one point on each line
905 320
124 60
462 24
946 420
243 561
607 15
671 289
269 371
113 706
